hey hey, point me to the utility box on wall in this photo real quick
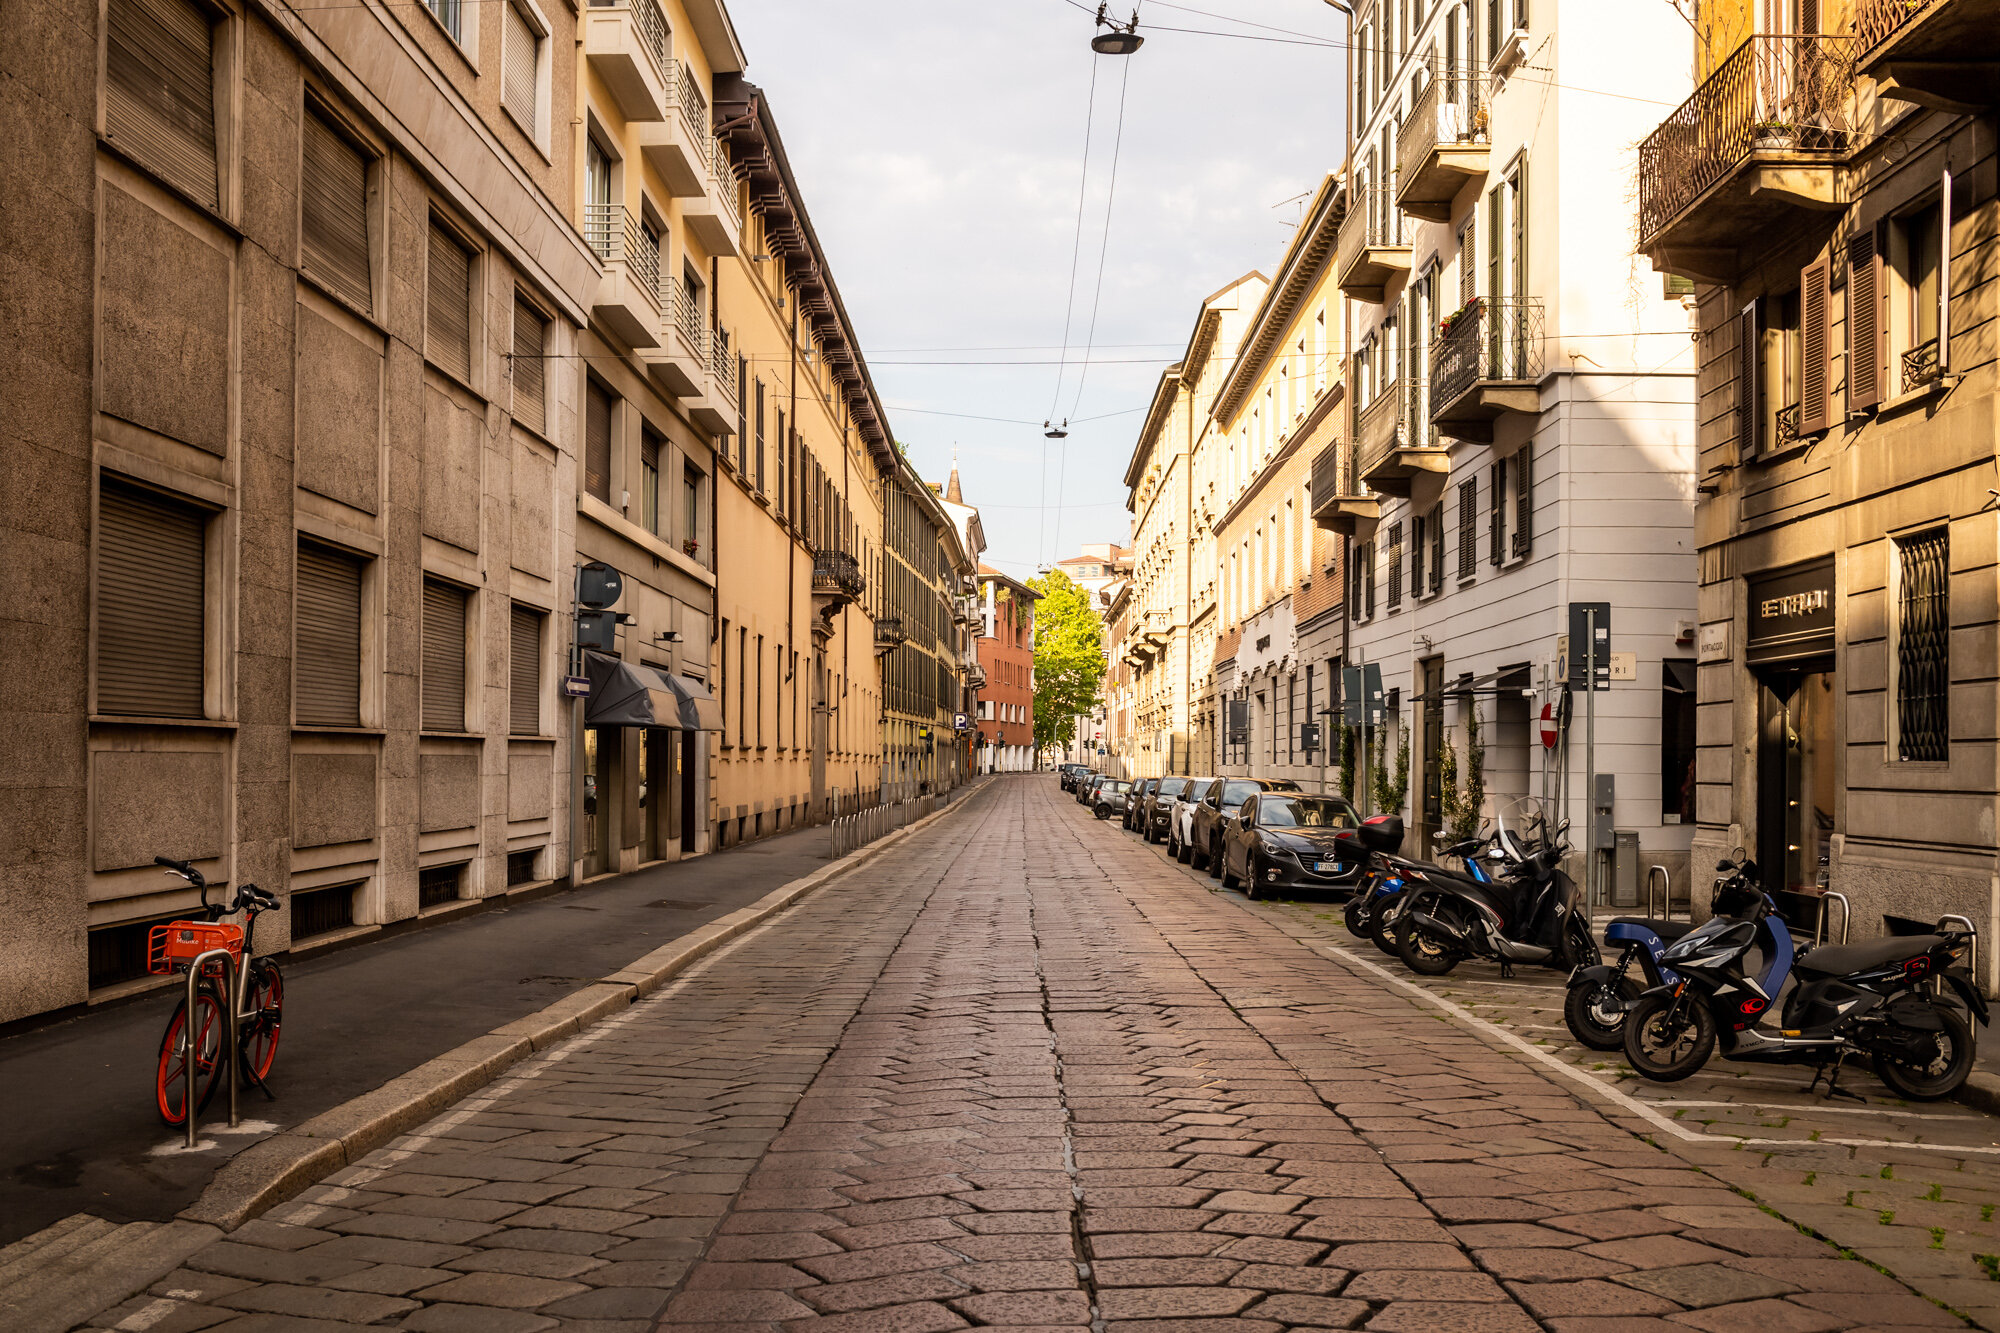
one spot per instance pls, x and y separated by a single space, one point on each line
1625 868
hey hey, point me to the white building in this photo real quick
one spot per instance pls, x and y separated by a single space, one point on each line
1522 394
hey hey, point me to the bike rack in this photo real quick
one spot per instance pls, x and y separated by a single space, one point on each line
234 1004
1846 914
1971 962
1666 877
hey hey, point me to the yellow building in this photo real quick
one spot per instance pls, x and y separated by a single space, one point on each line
922 608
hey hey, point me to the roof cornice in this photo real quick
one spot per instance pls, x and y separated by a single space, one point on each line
1306 260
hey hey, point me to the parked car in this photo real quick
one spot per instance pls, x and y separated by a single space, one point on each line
1151 820
1136 802
1282 840
1069 774
1110 798
1086 788
1218 809
1180 819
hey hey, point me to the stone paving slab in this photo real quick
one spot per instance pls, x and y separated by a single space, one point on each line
1027 1074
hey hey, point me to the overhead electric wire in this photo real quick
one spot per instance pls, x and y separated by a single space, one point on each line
1069 300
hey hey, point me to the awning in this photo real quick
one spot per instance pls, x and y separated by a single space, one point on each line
630 694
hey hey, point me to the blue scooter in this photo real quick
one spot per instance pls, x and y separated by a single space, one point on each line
1599 996
1371 909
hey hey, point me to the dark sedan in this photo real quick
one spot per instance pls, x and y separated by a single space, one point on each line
1110 798
1218 810
1141 790
1068 774
1288 840
1157 809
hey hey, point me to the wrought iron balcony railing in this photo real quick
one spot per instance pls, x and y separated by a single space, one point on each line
1373 243
1444 142
615 234
839 574
1396 419
889 633
1920 365
1877 20
1786 94
1785 427
1491 339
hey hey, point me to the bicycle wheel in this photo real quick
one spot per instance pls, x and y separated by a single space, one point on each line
260 1037
184 1073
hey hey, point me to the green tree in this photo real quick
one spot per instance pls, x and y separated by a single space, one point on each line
1069 657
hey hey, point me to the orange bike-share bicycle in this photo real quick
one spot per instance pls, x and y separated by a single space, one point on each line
193 1052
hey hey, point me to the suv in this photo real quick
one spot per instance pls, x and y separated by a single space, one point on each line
1180 818
1136 802
1110 797
1086 787
1151 820
1067 774
1218 809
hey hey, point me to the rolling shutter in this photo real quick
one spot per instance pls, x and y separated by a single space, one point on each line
1746 383
151 568
444 657
524 672
333 206
1864 322
1815 368
531 333
159 90
517 91
448 313
327 636
597 443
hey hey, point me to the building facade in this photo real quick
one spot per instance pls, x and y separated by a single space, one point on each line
1006 712
921 636
290 470
1839 227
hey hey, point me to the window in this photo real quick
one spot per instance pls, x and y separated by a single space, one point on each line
691 510
597 442
1918 248
1496 489
1392 554
159 90
1437 549
1419 531
649 482
333 211
438 885
742 686
531 341
1524 502
151 622
524 671
1468 528
321 911
448 312
783 459
451 14
1677 740
760 436
521 61
444 657
327 638
1921 661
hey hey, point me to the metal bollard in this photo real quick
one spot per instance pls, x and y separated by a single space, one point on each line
1846 914
189 1028
1665 876
1972 958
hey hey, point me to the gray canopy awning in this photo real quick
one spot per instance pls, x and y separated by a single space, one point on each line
631 694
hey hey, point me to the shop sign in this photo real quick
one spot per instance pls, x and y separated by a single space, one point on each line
1713 645
1791 613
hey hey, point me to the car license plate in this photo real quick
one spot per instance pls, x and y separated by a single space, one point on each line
1326 867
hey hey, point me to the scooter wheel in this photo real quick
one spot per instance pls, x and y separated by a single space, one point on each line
1596 1014
1666 1045
1944 1073
1383 921
1357 918
1422 953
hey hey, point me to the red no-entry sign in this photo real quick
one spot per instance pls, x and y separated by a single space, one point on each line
1548 726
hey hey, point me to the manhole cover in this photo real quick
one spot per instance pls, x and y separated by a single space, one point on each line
680 904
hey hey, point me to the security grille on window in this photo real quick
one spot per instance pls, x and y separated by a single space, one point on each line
444 657
1468 528
1923 647
159 90
524 671
448 312
327 661
151 571
530 369
333 211
597 442
522 47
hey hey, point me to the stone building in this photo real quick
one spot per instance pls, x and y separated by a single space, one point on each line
920 635
1838 220
289 466
1006 714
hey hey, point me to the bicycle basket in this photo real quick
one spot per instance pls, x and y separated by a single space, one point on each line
176 944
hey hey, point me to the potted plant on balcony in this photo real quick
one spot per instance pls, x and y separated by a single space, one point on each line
1773 134
1470 310
691 548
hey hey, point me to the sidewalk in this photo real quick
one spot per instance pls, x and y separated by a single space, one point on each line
355 1017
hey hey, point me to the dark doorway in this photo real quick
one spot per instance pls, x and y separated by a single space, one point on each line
684 826
1433 745
1798 775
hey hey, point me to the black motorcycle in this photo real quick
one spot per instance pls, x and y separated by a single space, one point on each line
1902 1002
1529 916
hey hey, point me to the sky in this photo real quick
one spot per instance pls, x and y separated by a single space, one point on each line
940 147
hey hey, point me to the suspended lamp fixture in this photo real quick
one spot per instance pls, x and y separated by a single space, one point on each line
1116 40
1056 432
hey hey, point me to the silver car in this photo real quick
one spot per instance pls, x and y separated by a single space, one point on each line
1180 821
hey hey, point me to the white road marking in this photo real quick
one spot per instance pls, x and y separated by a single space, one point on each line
1818 1110
148 1315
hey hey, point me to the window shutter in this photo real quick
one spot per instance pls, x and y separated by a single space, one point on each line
333 206
1496 542
151 567
517 92
159 90
524 672
1524 501
597 443
1417 543
448 313
1437 547
760 436
1747 363
531 337
1394 551
1865 359
444 657
327 635
1814 372
1468 528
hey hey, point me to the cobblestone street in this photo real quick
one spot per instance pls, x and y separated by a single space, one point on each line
1023 1071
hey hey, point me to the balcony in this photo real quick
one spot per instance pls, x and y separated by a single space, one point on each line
1373 247
1444 144
889 633
626 43
975 676
627 300
1762 137
719 409
1392 436
1340 502
680 363
1936 53
1486 363
677 144
712 216
838 574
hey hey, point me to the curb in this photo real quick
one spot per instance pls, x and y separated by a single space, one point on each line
274 1169
1981 1092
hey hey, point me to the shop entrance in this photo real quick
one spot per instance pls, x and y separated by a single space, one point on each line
1790 651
